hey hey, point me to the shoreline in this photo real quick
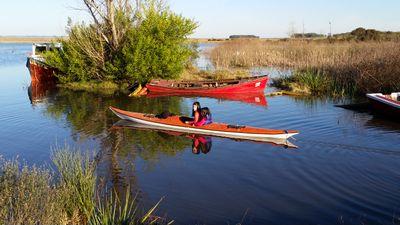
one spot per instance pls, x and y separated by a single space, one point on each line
43 39
27 39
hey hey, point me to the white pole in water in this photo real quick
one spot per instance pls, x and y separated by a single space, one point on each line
33 49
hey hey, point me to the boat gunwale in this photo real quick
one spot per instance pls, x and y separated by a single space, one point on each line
383 99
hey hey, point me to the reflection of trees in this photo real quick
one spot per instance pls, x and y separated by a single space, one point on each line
89 118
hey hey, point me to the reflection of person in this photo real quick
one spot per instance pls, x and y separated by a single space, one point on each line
201 144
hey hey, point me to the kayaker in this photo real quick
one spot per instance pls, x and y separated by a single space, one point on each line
205 112
196 108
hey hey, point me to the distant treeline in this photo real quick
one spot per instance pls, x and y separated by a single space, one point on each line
307 35
359 34
243 36
362 34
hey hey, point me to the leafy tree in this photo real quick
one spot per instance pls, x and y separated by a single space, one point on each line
125 42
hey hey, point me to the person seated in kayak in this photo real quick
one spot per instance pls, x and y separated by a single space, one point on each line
207 114
196 108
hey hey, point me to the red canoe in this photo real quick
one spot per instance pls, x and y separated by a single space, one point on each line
244 85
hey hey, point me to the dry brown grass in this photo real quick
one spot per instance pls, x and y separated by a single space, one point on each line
193 73
369 66
31 195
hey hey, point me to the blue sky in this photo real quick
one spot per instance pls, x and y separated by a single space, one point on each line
220 18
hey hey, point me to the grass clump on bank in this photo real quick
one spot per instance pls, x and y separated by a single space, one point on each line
346 67
315 83
106 87
36 195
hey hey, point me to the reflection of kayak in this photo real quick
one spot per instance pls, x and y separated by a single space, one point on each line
128 124
244 85
250 98
175 123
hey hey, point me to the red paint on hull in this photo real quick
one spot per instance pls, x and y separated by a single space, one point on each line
243 86
41 73
385 109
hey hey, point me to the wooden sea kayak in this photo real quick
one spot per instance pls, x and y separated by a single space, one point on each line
244 85
175 123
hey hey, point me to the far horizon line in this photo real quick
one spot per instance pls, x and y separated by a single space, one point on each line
200 37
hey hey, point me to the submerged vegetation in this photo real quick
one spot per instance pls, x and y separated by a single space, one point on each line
36 195
125 43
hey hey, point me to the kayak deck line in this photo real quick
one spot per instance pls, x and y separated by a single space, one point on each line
217 129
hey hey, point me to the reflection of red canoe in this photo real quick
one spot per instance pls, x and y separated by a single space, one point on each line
250 98
174 123
245 85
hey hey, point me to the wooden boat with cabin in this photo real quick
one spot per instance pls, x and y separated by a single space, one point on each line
41 72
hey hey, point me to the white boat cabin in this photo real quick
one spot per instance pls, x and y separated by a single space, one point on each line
38 48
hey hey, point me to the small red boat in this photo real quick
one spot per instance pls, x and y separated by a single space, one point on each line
39 70
244 85
386 104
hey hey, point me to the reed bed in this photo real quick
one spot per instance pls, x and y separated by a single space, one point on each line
347 66
68 195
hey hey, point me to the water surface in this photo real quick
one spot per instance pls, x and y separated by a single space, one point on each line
345 171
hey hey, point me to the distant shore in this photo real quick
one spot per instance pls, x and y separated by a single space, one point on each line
41 39
27 39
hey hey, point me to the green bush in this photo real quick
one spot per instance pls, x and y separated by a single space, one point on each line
153 46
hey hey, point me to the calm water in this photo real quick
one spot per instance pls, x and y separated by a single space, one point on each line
345 171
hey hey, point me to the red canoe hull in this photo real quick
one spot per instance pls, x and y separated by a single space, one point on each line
242 86
40 73
385 106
